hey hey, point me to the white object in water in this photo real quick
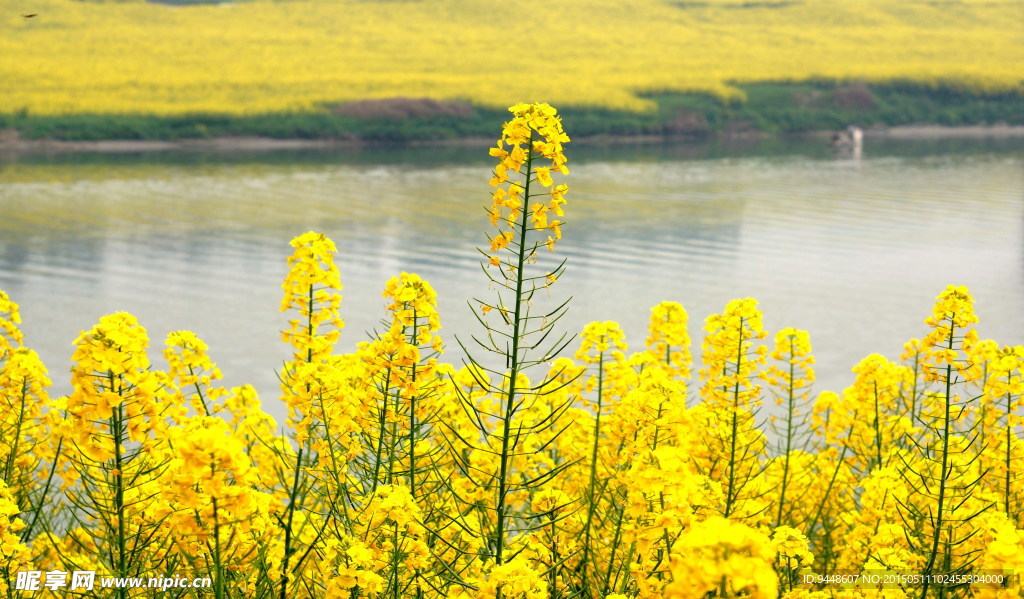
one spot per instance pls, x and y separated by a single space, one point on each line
851 139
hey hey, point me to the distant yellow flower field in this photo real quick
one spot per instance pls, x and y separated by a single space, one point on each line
303 55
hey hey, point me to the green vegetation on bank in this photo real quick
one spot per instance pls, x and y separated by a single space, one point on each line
767 107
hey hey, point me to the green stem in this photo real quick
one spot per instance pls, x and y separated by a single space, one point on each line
944 473
878 429
382 430
553 573
789 434
616 539
394 563
1009 439
509 407
732 493
218 571
340 502
14 452
591 499
309 327
412 431
393 438
828 490
412 417
293 496
27 533
199 391
117 431
288 549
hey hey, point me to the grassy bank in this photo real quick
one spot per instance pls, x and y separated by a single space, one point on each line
764 107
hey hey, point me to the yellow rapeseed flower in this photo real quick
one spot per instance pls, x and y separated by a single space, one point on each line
598 338
14 555
533 134
414 307
952 315
669 339
10 335
111 369
732 359
311 288
193 372
722 554
791 543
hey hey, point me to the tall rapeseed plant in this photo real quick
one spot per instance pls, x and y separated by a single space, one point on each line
30 434
1002 450
873 412
510 415
319 416
735 447
603 344
942 465
399 462
790 378
220 519
402 365
30 438
29 444
117 422
669 339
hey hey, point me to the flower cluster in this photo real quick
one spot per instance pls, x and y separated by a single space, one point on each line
534 133
599 338
951 316
669 339
193 372
112 383
719 555
311 287
731 358
10 335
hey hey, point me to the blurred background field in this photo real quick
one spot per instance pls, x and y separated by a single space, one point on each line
136 69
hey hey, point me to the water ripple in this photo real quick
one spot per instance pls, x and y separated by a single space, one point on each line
853 251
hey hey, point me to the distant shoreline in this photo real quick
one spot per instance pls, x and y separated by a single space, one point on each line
769 110
942 131
267 144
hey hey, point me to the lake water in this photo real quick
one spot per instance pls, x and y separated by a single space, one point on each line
854 251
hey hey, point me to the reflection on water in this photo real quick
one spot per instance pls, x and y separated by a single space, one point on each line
853 251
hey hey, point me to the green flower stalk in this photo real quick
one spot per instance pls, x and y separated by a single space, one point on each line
733 360
946 469
791 382
118 423
309 385
1004 396
526 210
